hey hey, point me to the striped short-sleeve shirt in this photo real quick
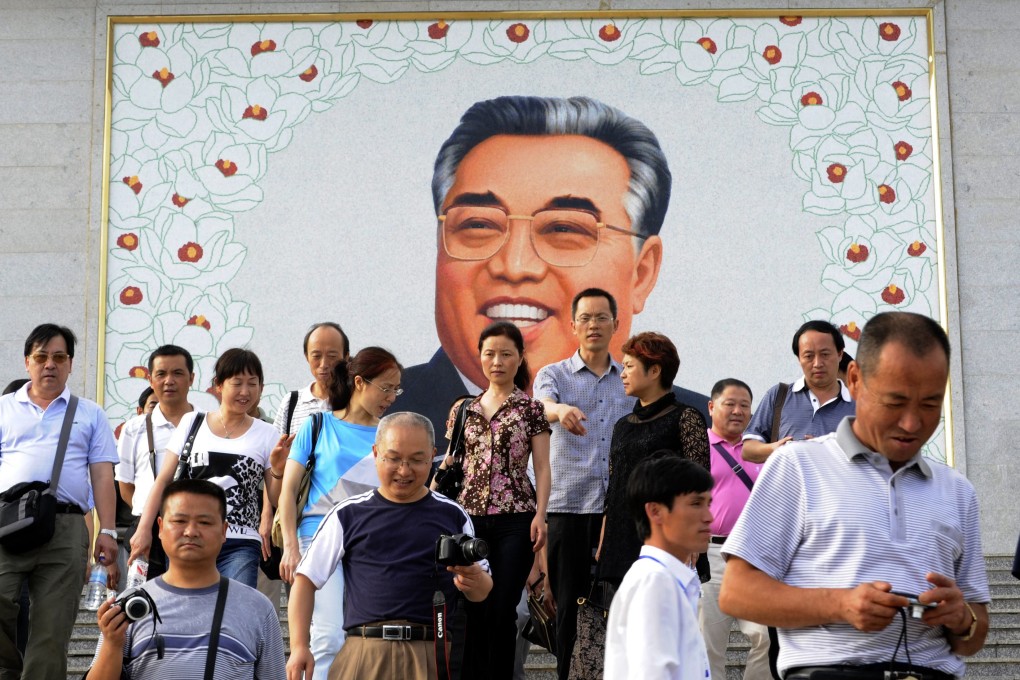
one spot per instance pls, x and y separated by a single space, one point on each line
307 404
830 513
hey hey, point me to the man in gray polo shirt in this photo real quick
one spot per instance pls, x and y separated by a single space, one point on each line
811 406
583 398
836 524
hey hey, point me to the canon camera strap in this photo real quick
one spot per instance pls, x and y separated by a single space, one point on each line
441 636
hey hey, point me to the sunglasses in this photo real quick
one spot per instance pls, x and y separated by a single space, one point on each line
42 357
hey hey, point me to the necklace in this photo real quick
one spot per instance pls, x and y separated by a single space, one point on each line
223 424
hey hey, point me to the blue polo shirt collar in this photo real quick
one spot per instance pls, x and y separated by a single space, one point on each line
576 363
800 385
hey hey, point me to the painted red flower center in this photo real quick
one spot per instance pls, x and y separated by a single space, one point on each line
139 372
903 151
131 295
772 54
190 252
836 173
851 330
163 75
199 320
179 200
886 194
609 33
364 23
518 33
149 39
811 99
708 44
255 112
134 183
228 168
128 241
902 91
438 30
263 46
888 31
916 249
857 252
893 295
308 75
791 21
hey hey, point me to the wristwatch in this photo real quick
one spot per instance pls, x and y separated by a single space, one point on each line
973 624
112 533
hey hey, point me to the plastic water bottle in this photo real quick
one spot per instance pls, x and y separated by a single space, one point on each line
95 593
137 571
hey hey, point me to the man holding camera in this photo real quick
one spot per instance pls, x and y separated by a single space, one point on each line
190 622
385 540
842 533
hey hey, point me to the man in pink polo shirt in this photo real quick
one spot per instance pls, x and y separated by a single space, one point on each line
730 409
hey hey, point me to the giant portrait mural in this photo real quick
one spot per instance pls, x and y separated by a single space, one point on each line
415 177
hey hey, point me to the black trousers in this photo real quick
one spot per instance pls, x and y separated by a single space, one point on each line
572 540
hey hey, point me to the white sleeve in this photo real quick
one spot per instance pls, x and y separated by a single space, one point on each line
650 625
126 446
325 552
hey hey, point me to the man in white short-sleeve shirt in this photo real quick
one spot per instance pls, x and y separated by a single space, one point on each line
834 525
653 630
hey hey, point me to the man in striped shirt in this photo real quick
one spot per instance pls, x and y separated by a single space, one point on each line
836 524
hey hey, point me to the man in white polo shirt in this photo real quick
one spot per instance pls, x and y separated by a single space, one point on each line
144 438
836 524
30 425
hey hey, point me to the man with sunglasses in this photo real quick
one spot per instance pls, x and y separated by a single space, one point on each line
30 425
537 199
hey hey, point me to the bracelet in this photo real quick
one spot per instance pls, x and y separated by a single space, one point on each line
274 475
973 624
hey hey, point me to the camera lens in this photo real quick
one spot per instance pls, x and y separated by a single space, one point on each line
136 607
475 549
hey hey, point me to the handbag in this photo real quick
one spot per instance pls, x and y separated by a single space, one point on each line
28 511
587 661
184 462
540 628
304 488
450 482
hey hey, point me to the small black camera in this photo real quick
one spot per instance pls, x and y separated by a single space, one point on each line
135 603
460 550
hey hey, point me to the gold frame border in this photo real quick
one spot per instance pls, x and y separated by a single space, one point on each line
927 12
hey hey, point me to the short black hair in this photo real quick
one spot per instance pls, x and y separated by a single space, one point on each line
593 292
15 385
45 332
199 487
237 361
844 363
327 324
172 351
919 334
721 386
144 397
818 326
660 478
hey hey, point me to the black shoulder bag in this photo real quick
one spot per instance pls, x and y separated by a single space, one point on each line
217 623
28 510
184 463
450 482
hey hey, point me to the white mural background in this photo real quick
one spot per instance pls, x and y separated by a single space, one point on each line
267 175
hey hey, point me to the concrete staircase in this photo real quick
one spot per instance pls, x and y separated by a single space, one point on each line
999 660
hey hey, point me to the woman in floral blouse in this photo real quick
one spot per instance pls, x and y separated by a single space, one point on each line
504 428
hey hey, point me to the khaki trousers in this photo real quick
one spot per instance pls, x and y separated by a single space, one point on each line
378 659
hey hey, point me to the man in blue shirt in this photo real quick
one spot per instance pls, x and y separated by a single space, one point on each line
811 406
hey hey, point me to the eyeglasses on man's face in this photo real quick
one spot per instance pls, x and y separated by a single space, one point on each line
43 357
562 238
598 319
396 391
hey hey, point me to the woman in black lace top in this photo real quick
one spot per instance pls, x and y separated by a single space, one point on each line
659 421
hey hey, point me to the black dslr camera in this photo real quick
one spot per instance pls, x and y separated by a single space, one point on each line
135 603
460 550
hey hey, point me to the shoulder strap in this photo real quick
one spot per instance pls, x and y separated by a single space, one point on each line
152 446
65 436
737 468
290 412
217 623
317 421
777 409
458 426
185 456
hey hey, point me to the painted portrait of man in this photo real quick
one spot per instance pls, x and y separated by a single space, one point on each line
538 198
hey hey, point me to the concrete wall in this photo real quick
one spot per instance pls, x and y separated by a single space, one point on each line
52 78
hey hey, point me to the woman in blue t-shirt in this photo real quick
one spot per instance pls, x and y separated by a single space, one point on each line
361 391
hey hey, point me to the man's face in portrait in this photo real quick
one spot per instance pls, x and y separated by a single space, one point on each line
522 176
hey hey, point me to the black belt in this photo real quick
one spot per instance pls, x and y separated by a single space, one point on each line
395 632
874 671
68 509
719 540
